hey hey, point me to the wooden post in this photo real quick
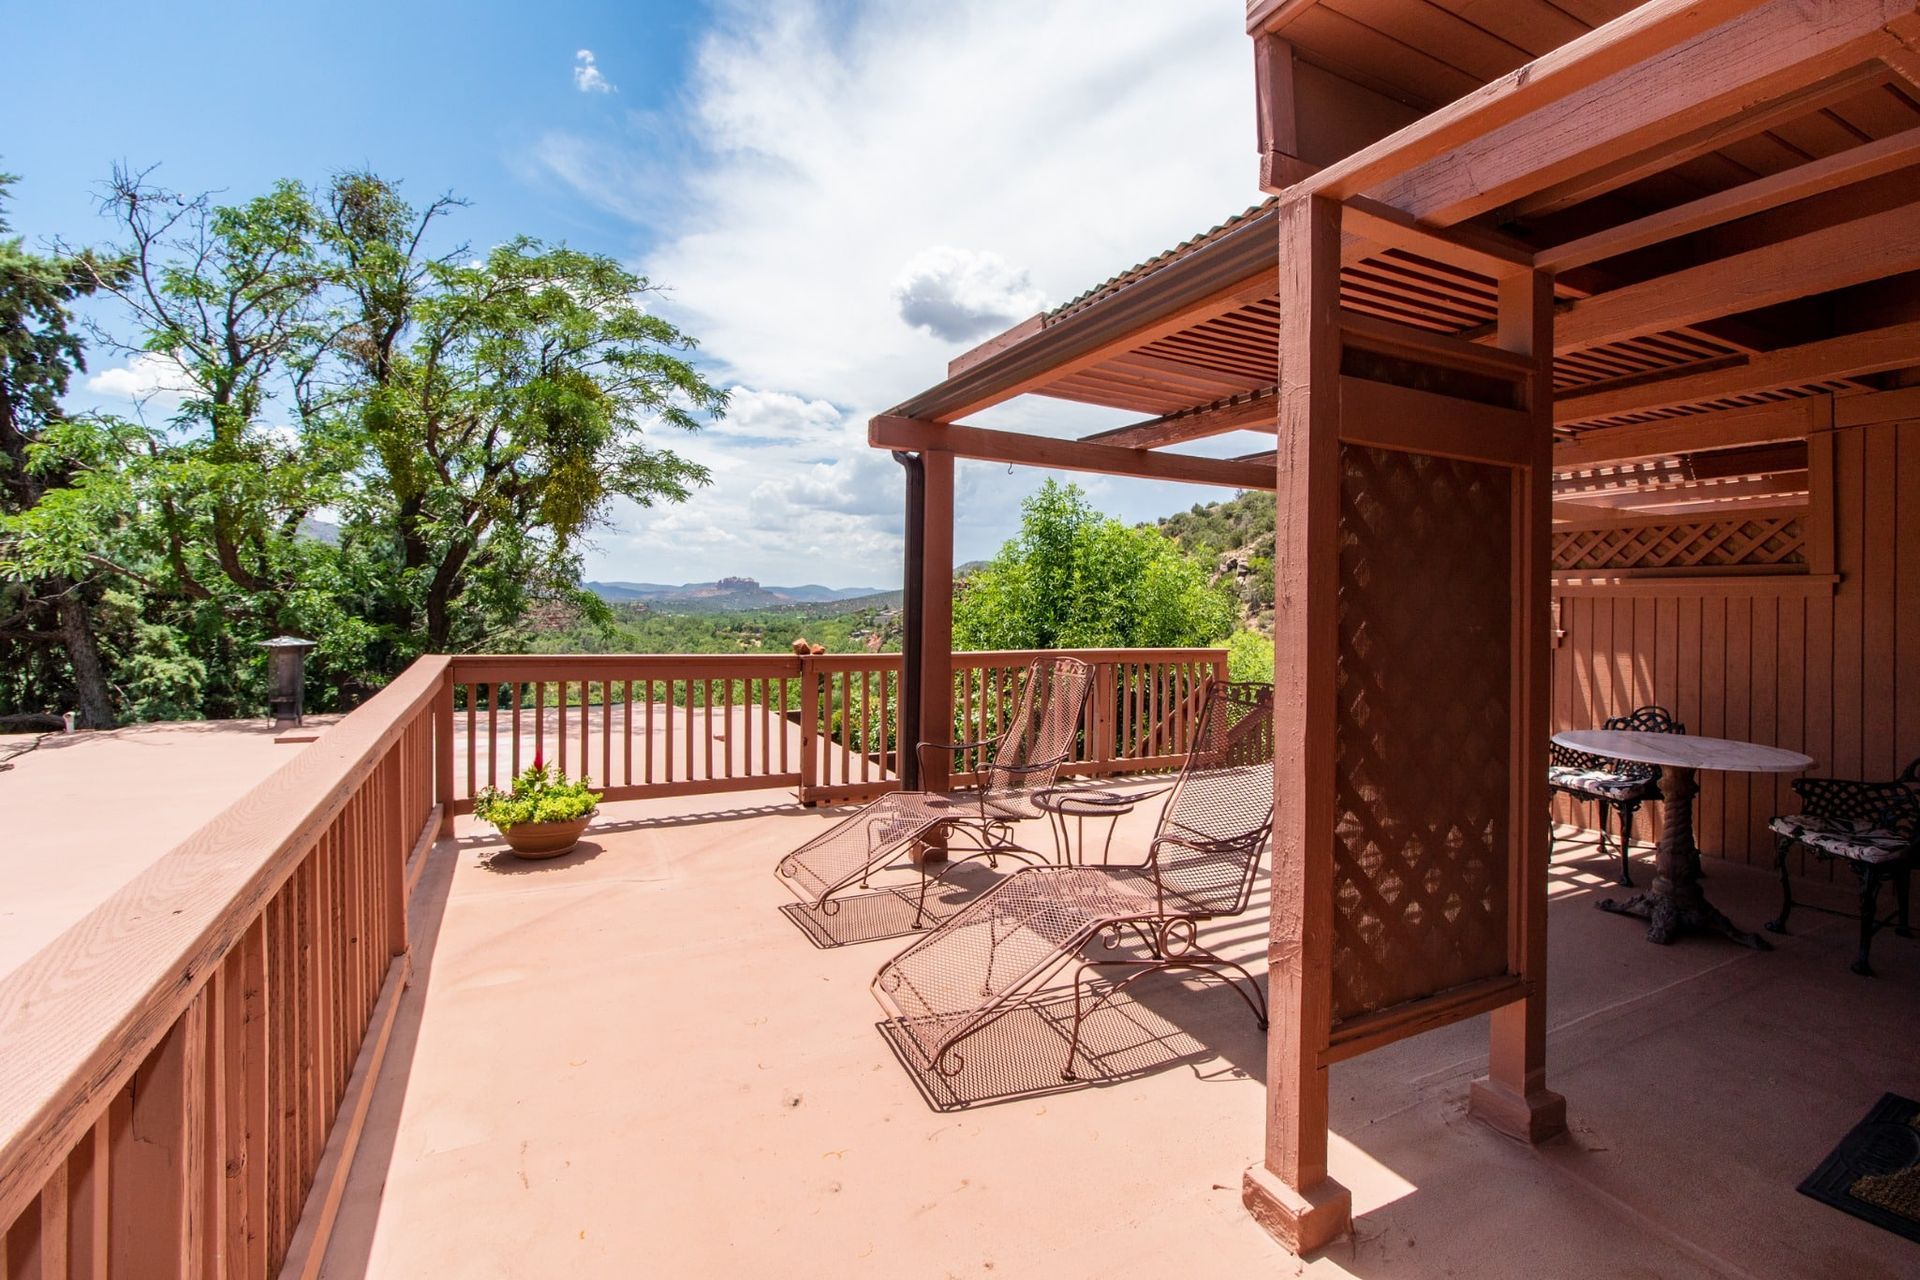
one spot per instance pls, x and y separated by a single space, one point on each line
1513 1096
936 618
809 730
1290 1193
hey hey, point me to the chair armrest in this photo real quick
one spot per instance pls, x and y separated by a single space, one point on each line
920 749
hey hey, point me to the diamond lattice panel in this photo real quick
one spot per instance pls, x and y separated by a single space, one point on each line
1684 544
1422 785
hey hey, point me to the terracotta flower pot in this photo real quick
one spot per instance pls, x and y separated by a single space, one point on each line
546 839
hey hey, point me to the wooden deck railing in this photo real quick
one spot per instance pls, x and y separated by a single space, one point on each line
184 1073
827 727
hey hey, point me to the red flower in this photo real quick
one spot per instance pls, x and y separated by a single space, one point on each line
537 762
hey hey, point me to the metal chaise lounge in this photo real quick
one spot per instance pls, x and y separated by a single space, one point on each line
1024 760
987 959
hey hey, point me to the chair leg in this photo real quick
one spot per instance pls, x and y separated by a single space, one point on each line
1623 827
1870 877
1780 846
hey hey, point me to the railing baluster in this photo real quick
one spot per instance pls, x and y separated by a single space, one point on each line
88 1205
586 724
784 724
626 732
766 726
472 690
706 697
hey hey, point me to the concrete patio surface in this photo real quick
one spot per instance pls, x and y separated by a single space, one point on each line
631 1062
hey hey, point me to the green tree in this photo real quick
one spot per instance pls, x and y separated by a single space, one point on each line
43 602
503 403
1074 578
381 447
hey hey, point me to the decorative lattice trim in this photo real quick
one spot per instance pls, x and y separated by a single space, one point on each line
1684 544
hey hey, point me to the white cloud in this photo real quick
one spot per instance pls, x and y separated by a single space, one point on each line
587 77
151 380
823 155
963 295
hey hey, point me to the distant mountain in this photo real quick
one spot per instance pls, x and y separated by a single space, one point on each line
727 594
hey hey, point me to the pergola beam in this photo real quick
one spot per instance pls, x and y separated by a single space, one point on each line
1762 424
1869 248
1829 359
1704 493
1236 413
1632 38
1717 133
1671 84
890 431
1870 160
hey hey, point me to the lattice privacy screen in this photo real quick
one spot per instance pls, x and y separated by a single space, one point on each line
1685 544
1422 782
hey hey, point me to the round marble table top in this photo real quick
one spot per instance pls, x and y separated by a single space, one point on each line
1685 751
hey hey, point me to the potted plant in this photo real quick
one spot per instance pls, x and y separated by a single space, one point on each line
543 815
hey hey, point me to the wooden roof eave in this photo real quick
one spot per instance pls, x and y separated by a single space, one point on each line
1220 276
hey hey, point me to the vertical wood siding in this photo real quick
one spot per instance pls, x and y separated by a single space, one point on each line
1834 675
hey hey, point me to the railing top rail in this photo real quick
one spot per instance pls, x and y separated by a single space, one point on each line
1008 656
613 666
81 1015
467 667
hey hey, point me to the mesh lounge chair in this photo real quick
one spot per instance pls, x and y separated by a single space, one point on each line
1025 759
985 960
1621 786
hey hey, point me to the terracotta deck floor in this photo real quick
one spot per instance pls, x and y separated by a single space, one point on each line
631 1062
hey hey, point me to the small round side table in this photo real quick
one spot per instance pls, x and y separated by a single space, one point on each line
1062 806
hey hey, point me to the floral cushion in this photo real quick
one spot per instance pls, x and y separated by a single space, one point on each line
1599 783
1856 838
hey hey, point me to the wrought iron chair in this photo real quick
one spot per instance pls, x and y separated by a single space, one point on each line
1874 827
1619 786
987 959
1023 761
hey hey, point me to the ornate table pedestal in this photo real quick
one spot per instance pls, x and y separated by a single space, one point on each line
1675 903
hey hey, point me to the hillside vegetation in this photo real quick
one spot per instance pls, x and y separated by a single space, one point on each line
1234 539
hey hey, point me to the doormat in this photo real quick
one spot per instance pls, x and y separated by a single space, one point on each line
1874 1173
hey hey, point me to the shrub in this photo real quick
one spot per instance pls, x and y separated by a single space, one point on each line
1250 656
538 795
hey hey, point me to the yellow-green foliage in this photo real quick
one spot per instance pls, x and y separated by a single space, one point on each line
538 795
1250 656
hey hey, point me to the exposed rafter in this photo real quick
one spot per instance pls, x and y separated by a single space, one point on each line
1869 248
1235 413
1870 160
1851 355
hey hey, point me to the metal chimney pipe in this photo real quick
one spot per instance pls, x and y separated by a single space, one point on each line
286 678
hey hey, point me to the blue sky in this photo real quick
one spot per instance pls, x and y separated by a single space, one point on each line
839 195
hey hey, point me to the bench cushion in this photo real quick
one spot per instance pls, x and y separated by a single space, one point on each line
1599 783
1855 838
